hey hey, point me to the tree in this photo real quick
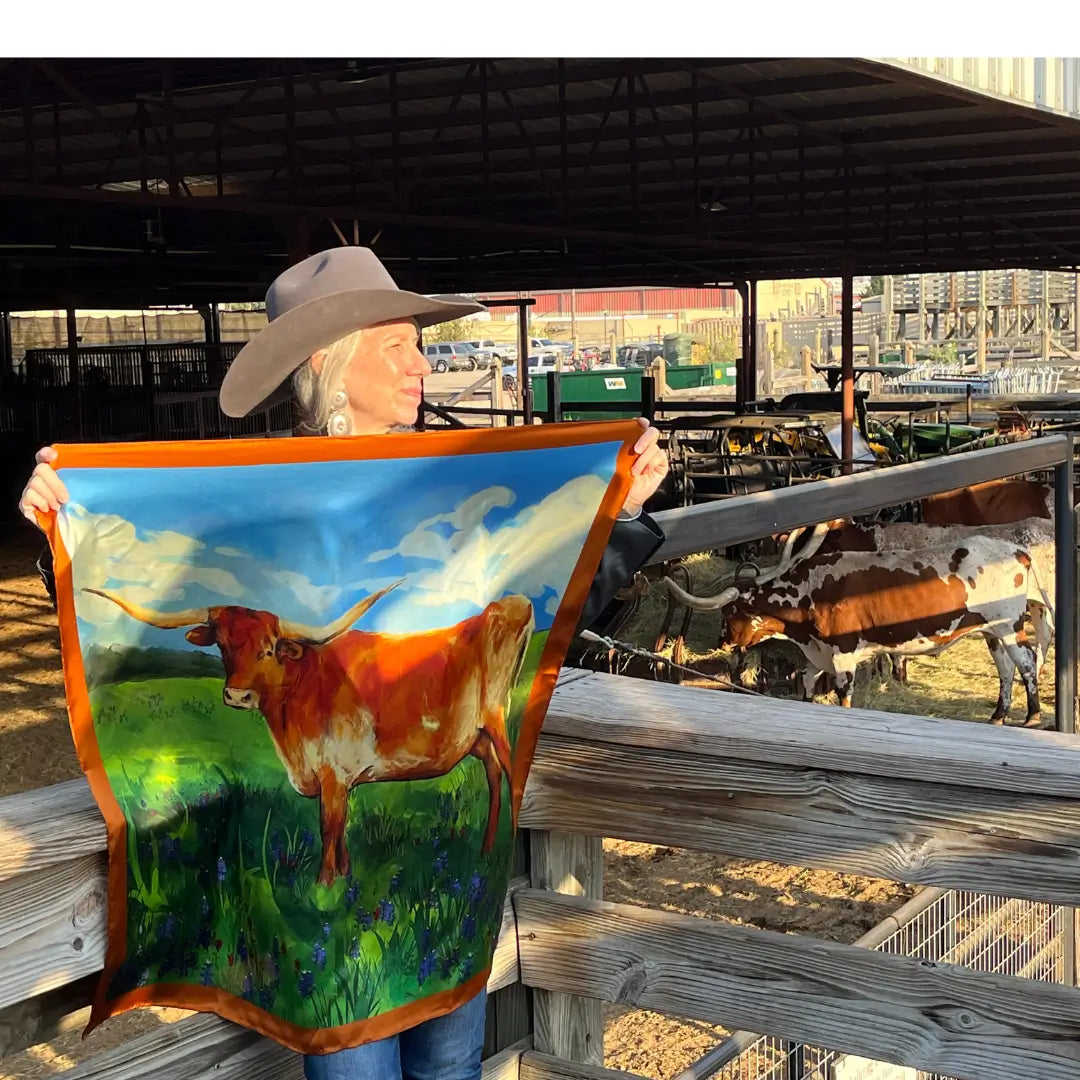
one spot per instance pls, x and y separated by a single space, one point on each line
455 330
876 286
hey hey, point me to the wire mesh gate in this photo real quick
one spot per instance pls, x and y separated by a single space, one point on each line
987 933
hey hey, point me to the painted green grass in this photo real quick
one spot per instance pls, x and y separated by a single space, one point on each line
223 855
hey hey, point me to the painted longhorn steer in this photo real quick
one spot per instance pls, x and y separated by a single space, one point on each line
842 608
347 707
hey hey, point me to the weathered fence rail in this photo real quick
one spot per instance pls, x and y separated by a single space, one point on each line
997 810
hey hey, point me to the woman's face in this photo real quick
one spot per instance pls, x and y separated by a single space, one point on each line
382 379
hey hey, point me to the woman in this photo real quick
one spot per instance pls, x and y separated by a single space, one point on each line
348 337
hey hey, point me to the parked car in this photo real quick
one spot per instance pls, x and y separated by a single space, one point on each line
496 351
481 358
639 354
545 345
449 356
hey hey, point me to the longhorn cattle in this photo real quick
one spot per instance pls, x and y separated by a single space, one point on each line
996 502
346 707
1035 536
841 608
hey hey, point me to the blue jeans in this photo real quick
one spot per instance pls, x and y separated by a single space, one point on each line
444 1048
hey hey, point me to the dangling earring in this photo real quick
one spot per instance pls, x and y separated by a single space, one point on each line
339 422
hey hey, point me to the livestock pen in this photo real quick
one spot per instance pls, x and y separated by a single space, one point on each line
985 810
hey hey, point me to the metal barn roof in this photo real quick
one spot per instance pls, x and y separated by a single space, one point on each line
127 182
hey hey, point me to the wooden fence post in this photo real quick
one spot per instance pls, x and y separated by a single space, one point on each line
873 356
510 1010
566 1025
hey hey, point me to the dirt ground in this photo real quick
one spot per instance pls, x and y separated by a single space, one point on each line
36 750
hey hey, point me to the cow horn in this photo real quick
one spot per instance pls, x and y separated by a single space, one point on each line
319 635
164 620
703 603
787 560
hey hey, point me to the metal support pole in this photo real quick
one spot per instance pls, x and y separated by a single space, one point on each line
751 367
74 381
1065 638
980 329
746 361
847 363
7 356
1065 600
648 397
554 389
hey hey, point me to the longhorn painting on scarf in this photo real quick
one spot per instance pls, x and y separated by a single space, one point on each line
306 678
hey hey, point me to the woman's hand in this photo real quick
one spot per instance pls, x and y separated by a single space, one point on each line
648 471
44 491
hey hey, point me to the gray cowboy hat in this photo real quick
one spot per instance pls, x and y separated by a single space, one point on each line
312 305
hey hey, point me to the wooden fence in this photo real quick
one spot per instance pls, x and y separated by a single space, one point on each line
913 799
996 810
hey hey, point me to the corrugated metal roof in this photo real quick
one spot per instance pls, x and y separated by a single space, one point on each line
520 173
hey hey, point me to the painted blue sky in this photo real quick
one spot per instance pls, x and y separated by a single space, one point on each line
306 541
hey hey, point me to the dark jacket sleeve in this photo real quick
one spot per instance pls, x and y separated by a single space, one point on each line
45 569
630 545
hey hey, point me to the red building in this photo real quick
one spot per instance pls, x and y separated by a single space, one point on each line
638 301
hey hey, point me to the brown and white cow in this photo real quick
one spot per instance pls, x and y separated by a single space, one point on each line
347 707
842 608
995 502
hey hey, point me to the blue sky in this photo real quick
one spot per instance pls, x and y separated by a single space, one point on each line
307 541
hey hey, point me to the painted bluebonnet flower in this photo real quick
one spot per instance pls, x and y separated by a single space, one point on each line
352 894
221 868
207 975
354 949
385 910
477 887
467 966
305 985
440 862
306 838
318 956
395 881
247 988
270 966
326 930
241 946
468 928
455 887
427 967
364 918
205 907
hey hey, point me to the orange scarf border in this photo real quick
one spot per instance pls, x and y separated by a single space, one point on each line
232 452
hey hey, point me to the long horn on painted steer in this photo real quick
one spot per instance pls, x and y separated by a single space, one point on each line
319 635
165 620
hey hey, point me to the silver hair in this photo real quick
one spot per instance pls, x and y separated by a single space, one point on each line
320 395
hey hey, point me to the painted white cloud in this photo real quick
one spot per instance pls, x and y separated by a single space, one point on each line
532 552
153 567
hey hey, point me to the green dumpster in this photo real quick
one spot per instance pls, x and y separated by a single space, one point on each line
621 387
